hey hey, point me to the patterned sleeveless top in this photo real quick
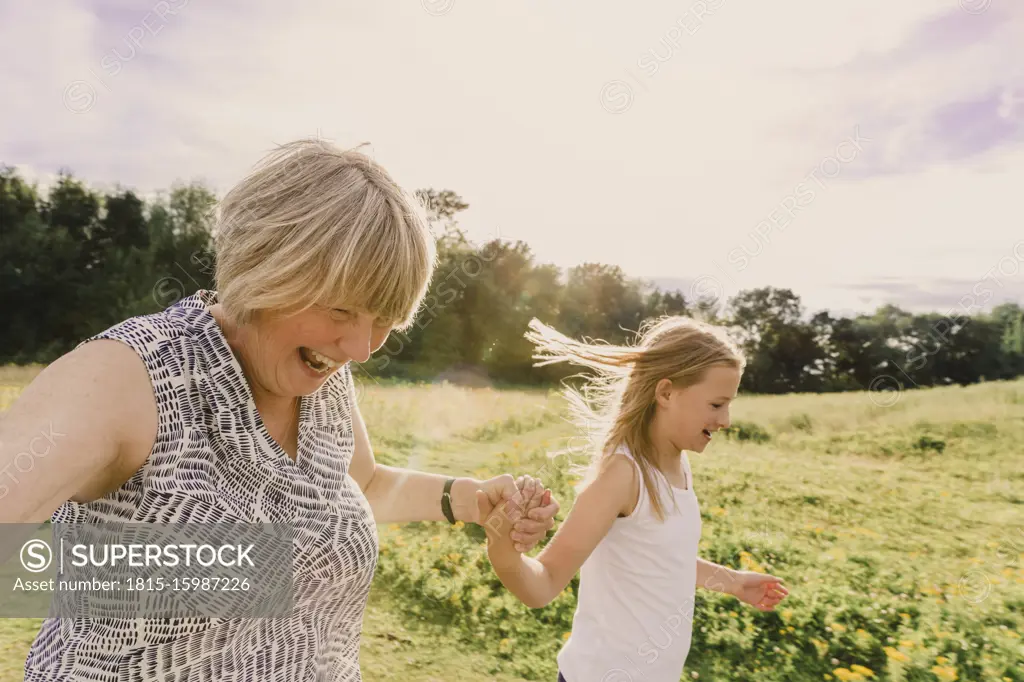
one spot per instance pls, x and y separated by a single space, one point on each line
215 461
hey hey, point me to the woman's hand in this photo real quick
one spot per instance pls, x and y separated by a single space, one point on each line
760 590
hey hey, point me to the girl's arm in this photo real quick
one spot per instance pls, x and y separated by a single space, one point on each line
760 590
712 576
538 581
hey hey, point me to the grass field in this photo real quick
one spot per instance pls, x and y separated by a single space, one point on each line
897 521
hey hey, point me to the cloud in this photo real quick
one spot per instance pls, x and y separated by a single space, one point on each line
938 294
503 105
944 294
951 92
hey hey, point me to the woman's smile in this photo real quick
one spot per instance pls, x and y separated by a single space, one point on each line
317 364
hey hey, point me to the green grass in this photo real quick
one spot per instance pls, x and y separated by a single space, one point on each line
898 527
395 647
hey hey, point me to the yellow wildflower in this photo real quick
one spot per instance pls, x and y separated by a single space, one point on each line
896 654
945 673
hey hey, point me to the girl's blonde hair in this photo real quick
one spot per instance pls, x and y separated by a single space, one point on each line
316 225
615 405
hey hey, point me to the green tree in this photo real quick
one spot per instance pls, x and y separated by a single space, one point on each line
783 355
600 302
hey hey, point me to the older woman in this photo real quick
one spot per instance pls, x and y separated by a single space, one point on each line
238 405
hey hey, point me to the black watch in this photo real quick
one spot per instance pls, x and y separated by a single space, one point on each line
446 501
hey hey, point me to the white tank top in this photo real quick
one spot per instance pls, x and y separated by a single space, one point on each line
634 615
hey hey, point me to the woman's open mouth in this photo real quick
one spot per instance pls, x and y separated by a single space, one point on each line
707 434
318 362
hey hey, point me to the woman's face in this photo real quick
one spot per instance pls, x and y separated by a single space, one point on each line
692 414
296 353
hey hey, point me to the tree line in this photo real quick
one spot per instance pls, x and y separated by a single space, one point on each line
77 260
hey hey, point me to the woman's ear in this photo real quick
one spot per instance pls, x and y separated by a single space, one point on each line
663 392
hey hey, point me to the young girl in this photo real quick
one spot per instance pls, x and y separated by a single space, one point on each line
635 524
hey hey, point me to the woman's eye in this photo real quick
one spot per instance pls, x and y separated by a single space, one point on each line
341 313
716 405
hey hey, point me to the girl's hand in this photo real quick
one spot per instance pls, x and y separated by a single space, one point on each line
537 514
760 590
521 511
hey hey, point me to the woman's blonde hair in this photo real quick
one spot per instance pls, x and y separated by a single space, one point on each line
316 225
615 405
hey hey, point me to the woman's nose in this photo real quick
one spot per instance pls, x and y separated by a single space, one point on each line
358 341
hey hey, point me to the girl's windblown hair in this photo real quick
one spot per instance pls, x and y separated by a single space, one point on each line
615 404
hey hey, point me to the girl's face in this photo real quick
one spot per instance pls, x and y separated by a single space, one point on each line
689 416
293 355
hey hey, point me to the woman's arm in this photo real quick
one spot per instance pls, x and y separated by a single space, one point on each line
401 495
538 581
78 431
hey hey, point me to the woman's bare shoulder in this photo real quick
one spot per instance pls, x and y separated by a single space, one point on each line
97 403
130 392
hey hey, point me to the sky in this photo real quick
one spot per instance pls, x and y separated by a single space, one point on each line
858 152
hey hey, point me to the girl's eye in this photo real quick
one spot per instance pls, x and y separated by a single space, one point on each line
716 405
341 313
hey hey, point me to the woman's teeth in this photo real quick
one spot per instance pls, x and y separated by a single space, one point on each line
319 363
707 433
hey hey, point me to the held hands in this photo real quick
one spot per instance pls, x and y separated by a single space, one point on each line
519 512
760 590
